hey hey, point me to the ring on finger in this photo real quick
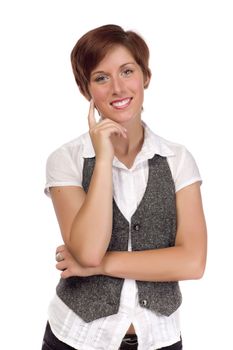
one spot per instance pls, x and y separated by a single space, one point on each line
59 257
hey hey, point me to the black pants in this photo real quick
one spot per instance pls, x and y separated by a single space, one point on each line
50 342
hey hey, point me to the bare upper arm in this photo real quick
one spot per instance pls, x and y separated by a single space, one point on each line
67 201
191 227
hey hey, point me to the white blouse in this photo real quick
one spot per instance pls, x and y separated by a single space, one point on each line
64 168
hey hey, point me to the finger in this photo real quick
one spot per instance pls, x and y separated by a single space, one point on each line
110 128
61 265
66 274
59 257
60 248
110 122
91 115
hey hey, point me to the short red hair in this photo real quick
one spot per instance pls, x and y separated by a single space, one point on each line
92 47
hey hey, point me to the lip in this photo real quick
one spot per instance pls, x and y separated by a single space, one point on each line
119 103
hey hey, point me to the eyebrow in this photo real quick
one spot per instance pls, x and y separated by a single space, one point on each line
101 71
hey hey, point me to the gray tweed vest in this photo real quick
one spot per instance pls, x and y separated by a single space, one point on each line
153 225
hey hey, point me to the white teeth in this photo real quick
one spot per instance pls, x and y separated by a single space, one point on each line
121 103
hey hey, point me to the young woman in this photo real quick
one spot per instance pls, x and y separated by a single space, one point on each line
129 207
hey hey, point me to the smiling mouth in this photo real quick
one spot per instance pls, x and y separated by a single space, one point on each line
120 104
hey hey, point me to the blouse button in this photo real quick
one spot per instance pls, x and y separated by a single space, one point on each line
144 302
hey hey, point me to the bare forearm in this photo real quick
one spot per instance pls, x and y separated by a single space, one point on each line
92 226
169 264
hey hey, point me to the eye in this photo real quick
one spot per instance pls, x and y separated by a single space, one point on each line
101 78
128 71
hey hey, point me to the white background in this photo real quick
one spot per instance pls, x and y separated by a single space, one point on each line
189 101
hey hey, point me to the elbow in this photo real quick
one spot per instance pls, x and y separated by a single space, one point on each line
88 259
84 256
197 269
198 274
200 271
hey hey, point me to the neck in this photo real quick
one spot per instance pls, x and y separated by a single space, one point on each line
134 141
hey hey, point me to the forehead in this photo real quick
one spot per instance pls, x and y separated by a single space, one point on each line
116 56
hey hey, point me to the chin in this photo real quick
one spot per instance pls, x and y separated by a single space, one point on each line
130 117
123 119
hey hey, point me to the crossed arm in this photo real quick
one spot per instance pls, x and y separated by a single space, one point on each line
85 254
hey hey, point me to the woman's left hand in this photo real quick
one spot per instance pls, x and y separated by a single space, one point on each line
70 267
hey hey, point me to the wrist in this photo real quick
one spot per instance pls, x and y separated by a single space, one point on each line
104 266
103 161
101 269
98 270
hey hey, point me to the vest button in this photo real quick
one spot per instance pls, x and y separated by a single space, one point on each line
144 302
136 227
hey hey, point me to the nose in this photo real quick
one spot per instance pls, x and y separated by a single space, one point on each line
117 85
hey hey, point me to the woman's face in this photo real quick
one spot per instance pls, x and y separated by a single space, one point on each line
117 86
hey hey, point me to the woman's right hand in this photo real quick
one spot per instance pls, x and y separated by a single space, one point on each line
101 132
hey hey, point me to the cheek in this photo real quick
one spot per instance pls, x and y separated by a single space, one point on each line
99 96
138 85
99 99
139 88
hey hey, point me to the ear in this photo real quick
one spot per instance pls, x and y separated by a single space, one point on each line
146 81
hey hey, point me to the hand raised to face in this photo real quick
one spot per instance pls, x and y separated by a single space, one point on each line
100 133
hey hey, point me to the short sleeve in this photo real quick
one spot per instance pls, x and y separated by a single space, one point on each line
63 169
187 171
